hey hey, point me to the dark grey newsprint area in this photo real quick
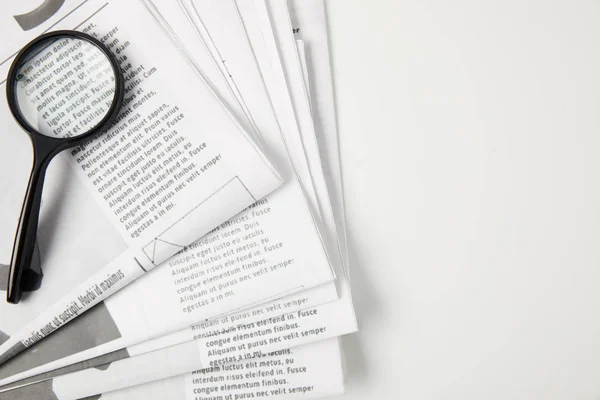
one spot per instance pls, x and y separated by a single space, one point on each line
89 330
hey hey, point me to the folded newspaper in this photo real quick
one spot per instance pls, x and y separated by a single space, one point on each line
251 289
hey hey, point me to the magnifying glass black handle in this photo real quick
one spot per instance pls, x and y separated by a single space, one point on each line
21 275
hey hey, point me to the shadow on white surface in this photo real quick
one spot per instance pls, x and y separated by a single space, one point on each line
368 309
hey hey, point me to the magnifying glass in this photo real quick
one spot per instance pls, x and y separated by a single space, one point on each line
63 88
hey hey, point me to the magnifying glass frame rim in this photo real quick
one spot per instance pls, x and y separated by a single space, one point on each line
64 143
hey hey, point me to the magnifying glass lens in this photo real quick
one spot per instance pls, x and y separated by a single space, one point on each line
65 87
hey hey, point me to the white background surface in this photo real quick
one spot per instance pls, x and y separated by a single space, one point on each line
470 136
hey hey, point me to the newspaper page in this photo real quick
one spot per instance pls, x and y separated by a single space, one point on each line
309 21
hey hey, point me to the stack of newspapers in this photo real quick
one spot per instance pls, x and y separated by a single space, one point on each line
197 249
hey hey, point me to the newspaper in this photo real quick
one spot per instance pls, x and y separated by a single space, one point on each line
155 316
307 326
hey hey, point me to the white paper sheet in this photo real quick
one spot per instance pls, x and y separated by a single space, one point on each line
306 372
309 21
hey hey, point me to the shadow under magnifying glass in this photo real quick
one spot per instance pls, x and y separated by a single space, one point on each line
3 277
36 264
3 284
